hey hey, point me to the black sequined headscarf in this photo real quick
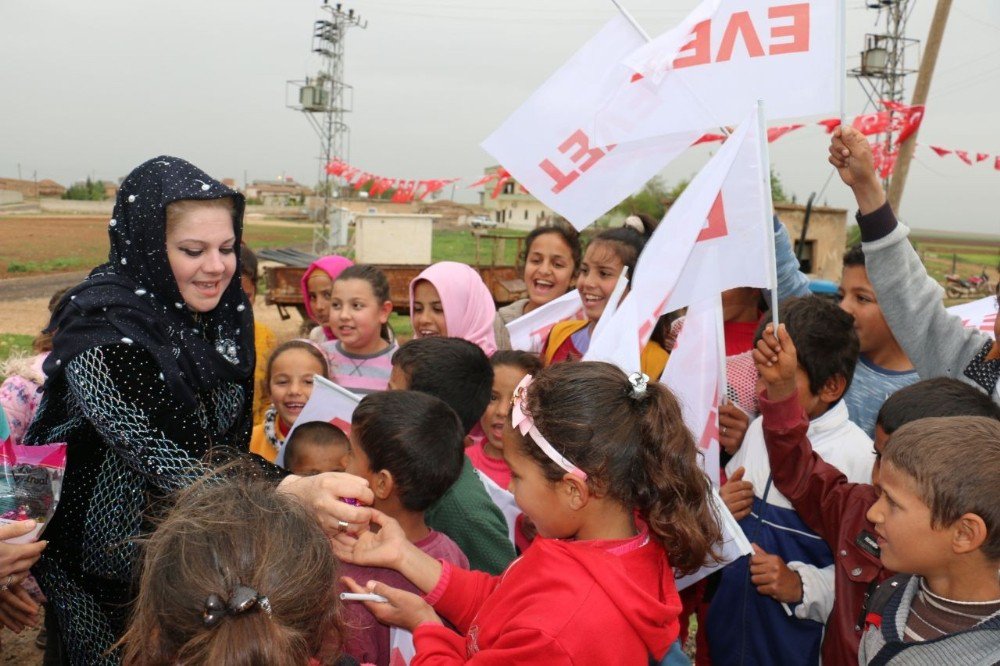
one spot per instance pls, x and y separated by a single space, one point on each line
134 298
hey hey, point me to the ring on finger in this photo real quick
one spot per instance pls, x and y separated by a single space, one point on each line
6 583
342 525
724 429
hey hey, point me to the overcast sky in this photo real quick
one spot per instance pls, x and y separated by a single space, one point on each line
95 88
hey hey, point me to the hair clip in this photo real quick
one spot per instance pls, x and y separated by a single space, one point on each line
214 611
241 600
639 382
634 223
523 423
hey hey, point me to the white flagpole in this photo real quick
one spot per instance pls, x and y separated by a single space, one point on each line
720 336
842 51
765 183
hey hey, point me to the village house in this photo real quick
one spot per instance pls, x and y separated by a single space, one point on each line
513 207
284 192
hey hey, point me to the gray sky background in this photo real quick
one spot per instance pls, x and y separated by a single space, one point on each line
95 88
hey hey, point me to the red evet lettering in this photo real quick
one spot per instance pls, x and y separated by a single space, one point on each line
716 227
700 47
563 180
798 30
582 142
739 23
584 156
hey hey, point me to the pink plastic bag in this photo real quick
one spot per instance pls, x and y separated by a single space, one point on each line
30 484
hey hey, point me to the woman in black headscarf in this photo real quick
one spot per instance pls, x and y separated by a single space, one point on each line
150 383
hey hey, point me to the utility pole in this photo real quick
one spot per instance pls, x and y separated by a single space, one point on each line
924 76
324 100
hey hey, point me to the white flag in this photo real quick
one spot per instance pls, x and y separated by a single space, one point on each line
530 331
716 236
695 375
329 403
734 543
546 144
978 315
722 58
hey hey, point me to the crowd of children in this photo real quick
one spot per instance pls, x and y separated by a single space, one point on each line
534 509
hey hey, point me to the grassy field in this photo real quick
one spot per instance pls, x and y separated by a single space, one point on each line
35 245
13 345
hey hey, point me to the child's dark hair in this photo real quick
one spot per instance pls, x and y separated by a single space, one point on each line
530 363
415 437
229 538
954 462
824 338
314 433
313 350
626 242
635 449
43 341
454 370
940 396
854 256
566 233
378 282
248 263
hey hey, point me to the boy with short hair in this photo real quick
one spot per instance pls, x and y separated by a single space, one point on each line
408 446
459 373
883 366
938 520
316 447
827 502
779 620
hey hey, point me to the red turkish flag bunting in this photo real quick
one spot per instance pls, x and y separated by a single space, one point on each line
830 124
908 121
981 157
964 156
872 123
775 133
708 138
941 151
996 164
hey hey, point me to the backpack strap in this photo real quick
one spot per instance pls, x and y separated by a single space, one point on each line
878 600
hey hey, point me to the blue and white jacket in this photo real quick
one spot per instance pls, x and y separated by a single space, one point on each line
745 627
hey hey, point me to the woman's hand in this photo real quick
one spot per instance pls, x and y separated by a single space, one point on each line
17 609
385 547
388 547
403 609
323 494
17 558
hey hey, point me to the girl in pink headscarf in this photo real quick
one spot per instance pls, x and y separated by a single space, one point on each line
450 299
317 283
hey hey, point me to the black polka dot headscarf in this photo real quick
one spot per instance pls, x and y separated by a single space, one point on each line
134 299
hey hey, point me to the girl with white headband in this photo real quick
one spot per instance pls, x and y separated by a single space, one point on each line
603 465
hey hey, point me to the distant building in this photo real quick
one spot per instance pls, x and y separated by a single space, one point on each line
50 189
514 207
32 189
278 192
826 238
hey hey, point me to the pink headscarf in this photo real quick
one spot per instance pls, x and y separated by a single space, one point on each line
333 265
469 310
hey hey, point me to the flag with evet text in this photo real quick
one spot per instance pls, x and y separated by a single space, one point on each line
330 403
546 146
716 236
723 57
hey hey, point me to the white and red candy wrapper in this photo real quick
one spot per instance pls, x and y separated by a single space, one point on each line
30 483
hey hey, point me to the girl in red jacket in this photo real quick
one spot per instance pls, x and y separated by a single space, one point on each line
606 470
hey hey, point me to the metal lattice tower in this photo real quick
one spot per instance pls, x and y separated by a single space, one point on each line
883 68
325 99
